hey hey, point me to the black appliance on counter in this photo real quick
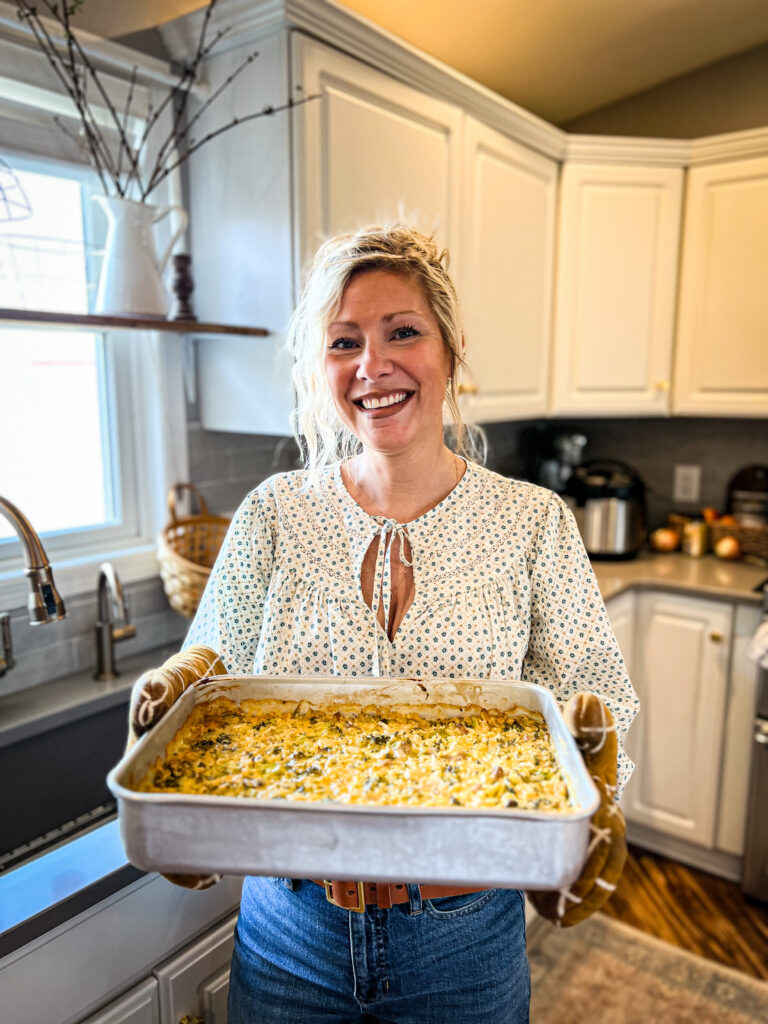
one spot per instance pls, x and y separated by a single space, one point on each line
747 497
608 501
755 872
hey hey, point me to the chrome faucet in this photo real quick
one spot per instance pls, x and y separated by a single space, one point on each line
113 623
44 602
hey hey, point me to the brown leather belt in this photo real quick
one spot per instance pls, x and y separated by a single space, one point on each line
357 895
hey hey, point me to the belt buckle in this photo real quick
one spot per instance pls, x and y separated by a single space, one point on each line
359 909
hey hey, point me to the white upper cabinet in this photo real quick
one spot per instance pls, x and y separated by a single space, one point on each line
370 150
616 283
722 343
507 260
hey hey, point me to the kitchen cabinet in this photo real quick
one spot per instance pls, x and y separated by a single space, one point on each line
621 615
680 674
722 338
618 242
139 1006
370 150
196 982
507 252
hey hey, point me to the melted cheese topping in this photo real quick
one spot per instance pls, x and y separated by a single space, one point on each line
363 756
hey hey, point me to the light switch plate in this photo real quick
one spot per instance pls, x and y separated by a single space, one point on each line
687 484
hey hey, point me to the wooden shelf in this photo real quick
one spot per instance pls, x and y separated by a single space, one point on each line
31 318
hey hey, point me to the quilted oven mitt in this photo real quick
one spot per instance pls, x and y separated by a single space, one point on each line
153 693
591 724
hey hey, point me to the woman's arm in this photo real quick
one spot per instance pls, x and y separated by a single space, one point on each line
231 611
571 647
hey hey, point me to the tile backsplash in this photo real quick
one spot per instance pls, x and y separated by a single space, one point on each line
653 447
226 466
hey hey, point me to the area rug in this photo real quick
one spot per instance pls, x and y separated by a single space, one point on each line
604 972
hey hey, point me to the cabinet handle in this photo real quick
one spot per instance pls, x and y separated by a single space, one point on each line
716 638
662 385
470 388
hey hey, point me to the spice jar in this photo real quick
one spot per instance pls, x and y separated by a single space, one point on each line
695 538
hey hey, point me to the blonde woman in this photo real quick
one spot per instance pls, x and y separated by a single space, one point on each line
391 554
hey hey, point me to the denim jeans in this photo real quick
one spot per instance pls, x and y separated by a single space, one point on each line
300 960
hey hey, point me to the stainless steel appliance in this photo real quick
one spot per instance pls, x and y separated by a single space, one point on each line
747 497
755 876
608 501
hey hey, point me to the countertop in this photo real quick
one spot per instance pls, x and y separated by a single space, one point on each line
700 577
38 895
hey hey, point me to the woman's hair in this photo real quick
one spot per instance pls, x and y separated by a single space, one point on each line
321 434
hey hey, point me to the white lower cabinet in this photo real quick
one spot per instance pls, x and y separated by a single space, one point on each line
139 1006
195 983
681 660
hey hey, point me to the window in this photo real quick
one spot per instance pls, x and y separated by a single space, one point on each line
83 450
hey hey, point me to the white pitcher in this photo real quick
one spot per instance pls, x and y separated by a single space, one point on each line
131 283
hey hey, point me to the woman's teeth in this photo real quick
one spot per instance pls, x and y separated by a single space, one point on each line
384 401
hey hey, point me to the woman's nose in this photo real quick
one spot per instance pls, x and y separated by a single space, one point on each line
374 361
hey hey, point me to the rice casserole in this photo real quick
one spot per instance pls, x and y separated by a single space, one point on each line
352 754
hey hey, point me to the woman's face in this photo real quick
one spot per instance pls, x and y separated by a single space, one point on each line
386 363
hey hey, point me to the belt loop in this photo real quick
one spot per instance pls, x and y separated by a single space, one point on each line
414 899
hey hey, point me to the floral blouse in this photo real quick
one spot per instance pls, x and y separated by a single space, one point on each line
503 590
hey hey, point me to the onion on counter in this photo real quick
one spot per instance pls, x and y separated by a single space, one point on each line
728 547
665 539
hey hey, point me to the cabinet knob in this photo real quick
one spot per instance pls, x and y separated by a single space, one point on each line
662 385
468 388
716 638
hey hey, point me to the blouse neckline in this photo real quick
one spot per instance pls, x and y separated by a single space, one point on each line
369 522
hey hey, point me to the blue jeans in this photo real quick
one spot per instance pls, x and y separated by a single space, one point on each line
300 960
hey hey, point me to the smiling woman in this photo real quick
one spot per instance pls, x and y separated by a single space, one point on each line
390 555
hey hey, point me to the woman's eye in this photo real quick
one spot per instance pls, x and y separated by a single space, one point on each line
405 332
343 343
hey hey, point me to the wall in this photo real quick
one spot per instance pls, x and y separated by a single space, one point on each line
651 446
729 96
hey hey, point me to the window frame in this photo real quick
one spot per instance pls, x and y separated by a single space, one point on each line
151 414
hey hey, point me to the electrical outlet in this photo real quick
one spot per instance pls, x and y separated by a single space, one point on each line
687 485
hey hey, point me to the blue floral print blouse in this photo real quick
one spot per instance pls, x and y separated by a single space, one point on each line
503 590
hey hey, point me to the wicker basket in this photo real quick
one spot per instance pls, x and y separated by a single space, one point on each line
186 550
752 539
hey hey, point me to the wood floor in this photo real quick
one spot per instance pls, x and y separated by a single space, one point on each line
694 910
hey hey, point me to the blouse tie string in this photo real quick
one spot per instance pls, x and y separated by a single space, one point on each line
382 589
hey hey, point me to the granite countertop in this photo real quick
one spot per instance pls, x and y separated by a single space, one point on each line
700 577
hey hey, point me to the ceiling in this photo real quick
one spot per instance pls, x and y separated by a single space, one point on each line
559 59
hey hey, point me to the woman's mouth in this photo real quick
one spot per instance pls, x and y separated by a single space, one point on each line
370 403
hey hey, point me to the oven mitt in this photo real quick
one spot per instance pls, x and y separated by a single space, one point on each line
591 724
153 693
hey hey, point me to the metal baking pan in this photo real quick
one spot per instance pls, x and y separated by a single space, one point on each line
506 848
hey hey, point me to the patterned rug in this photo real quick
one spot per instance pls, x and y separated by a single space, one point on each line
603 972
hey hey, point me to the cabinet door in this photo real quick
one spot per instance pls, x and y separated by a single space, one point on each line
139 1006
739 729
195 982
621 615
616 282
507 271
370 150
722 340
681 664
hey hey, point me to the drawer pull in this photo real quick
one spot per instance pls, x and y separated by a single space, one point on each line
716 638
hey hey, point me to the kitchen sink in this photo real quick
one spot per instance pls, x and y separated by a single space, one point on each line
54 782
58 741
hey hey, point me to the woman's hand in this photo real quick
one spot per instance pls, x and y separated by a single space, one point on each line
157 689
153 694
592 726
